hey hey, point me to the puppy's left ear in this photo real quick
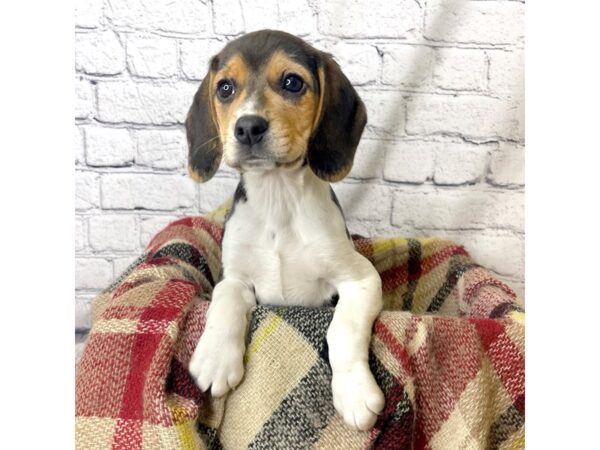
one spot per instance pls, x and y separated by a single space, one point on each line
340 121
204 144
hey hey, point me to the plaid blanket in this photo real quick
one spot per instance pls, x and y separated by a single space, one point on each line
448 352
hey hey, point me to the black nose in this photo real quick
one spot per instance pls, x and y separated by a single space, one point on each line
250 129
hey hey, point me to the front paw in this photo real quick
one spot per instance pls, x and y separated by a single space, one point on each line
356 397
217 363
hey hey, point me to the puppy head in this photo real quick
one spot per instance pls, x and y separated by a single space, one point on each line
270 100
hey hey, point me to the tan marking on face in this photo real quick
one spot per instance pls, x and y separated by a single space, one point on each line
321 75
196 176
238 71
290 118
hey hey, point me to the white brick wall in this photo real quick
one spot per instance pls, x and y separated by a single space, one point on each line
442 153
108 146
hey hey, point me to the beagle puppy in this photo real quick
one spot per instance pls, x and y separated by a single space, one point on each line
285 116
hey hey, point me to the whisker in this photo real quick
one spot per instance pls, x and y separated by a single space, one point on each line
196 147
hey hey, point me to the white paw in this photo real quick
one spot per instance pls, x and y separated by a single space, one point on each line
217 363
356 397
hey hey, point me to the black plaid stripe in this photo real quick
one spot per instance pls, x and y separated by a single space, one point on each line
395 424
209 436
301 417
188 254
139 260
385 379
509 422
415 254
458 266
259 315
311 323
308 408
503 309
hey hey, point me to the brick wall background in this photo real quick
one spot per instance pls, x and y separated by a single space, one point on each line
442 153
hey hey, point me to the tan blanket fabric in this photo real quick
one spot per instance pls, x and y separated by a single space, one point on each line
448 352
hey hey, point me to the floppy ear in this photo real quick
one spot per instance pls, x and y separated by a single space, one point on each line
204 144
341 118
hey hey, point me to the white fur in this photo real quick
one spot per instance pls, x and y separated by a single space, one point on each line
287 245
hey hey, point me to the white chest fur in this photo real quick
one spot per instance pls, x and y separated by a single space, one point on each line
286 244
286 238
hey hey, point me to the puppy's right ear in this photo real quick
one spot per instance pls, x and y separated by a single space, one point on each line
204 144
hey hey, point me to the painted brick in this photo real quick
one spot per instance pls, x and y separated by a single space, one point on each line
465 115
493 22
120 264
227 20
152 225
364 204
87 193
99 53
507 74
83 312
409 161
149 56
195 56
147 191
502 253
81 240
407 65
92 273
386 115
108 146
89 13
294 17
507 166
464 57
182 16
507 211
377 18
79 346
460 163
110 232
79 141
368 159
460 69
84 99
363 227
360 62
458 209
215 192
161 149
144 102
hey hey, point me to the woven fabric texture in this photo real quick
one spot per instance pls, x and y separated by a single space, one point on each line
448 352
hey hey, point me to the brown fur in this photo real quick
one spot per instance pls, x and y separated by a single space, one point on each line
321 126
291 121
237 70
204 147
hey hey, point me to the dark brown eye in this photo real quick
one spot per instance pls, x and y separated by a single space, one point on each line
292 83
225 89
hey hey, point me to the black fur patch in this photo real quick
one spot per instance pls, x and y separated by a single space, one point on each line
240 195
257 47
343 119
204 144
240 192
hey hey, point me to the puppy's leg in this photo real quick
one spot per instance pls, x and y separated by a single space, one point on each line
217 360
356 396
